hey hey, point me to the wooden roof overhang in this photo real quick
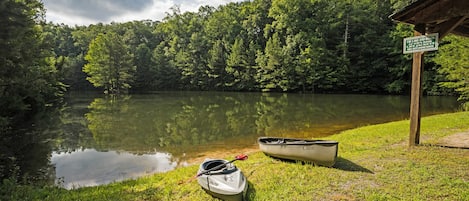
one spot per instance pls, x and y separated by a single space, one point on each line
430 16
438 16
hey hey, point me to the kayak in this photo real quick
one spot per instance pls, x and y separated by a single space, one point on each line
319 152
222 179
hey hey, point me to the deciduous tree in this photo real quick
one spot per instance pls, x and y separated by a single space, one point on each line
110 65
454 60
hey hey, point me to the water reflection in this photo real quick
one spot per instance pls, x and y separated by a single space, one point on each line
26 147
182 123
89 167
98 139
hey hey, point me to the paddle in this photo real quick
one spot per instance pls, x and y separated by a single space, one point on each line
241 157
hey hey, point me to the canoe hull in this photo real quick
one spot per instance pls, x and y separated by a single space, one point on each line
319 152
226 183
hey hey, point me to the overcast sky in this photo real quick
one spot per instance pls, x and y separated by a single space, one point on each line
85 12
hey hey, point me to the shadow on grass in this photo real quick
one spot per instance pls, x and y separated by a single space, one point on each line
347 165
446 146
251 192
340 163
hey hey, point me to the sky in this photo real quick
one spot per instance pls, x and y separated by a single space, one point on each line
86 12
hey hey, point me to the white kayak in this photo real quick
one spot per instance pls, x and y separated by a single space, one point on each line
222 179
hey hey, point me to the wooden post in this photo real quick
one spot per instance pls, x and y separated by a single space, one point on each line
416 91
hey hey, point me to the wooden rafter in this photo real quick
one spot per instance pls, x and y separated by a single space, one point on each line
439 16
449 26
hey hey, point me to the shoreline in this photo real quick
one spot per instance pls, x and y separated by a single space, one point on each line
374 163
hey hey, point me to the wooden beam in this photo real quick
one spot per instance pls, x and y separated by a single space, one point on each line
416 91
447 27
442 10
436 13
433 10
408 13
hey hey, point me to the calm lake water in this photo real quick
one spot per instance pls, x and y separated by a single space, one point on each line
98 139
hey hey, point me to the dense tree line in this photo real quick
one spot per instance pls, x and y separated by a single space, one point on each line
29 81
28 72
262 45
313 46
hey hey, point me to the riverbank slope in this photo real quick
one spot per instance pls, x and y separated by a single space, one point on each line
374 163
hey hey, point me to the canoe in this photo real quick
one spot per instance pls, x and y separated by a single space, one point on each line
225 181
319 152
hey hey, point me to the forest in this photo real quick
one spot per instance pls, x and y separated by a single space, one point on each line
295 46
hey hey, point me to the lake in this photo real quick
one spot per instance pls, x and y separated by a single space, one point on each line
96 139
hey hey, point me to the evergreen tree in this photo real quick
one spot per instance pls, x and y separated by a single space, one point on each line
270 71
28 77
237 66
166 75
145 74
216 65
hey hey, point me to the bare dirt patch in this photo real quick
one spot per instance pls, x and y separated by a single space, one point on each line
458 140
221 154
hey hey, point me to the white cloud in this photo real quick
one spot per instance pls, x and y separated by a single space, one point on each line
156 12
85 12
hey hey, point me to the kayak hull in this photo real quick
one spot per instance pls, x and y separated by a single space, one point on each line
226 182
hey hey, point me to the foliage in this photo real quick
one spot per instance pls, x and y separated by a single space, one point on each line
314 46
28 77
110 65
270 72
401 64
454 60
216 65
239 68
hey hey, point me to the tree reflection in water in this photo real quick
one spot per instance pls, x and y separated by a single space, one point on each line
170 128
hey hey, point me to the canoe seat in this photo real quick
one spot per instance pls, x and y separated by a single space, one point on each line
297 142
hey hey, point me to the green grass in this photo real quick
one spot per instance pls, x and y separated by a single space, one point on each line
375 163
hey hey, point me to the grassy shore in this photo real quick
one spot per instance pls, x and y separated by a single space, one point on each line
375 163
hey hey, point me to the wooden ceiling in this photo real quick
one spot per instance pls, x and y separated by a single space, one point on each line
438 16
